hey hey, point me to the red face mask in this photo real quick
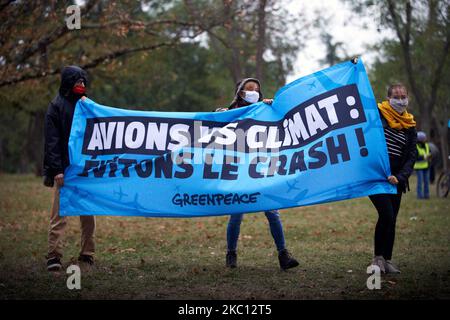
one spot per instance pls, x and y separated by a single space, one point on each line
79 89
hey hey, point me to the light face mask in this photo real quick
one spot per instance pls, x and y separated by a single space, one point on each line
251 96
399 105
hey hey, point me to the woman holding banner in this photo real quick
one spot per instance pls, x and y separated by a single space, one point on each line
248 91
400 133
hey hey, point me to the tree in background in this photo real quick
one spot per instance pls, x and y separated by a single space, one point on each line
418 55
36 43
258 38
171 55
335 51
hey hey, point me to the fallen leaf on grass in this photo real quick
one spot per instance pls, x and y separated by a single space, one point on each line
200 225
195 270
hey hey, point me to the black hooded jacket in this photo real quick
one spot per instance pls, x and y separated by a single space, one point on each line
58 122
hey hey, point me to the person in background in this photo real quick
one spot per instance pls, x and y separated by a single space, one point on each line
58 122
400 134
422 166
247 92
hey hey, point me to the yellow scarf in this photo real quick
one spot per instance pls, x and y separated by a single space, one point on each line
394 119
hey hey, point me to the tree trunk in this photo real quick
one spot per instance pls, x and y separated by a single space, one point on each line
32 156
424 121
2 164
37 142
234 64
260 45
24 162
443 137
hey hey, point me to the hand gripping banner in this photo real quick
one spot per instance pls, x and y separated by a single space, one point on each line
321 140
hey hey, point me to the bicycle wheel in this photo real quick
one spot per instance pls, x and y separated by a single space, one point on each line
443 185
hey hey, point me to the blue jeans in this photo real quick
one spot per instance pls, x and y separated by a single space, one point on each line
276 229
423 179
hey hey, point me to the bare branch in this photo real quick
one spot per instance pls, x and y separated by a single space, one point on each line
138 23
50 38
89 65
438 75
392 12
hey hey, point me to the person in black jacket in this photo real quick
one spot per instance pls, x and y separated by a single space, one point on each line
58 122
400 134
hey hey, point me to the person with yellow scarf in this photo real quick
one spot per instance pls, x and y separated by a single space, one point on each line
400 135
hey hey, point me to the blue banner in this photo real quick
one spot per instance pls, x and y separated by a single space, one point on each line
321 140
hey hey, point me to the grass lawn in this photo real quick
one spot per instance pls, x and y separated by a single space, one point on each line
155 258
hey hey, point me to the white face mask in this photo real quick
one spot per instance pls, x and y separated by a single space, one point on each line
251 96
399 105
